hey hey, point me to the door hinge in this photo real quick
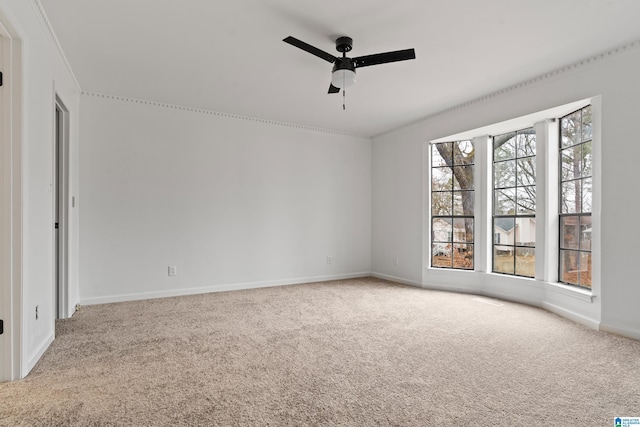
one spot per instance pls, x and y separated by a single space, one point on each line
0 78
1 326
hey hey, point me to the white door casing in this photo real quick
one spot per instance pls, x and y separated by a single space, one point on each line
10 201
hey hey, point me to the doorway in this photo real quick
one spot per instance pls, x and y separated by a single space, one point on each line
61 209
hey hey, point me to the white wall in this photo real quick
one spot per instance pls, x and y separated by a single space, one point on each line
398 190
231 202
45 73
397 207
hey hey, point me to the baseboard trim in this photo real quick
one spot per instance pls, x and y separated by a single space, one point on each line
621 330
35 357
395 279
571 315
219 288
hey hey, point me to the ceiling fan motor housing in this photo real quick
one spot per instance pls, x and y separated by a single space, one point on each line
344 64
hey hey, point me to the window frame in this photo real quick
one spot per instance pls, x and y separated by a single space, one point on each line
581 214
516 215
451 235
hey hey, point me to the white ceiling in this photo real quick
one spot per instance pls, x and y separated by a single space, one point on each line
228 56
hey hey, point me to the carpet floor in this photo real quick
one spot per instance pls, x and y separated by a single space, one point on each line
359 352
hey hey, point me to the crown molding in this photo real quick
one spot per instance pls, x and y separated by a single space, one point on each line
220 114
535 80
46 24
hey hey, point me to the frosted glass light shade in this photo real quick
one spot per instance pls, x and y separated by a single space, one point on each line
343 78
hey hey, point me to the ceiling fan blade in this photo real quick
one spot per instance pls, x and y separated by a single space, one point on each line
383 58
311 49
333 89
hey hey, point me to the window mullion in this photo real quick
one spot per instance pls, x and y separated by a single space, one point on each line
547 192
483 199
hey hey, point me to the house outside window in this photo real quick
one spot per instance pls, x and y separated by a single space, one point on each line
452 205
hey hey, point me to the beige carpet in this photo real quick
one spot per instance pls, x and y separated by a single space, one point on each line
354 353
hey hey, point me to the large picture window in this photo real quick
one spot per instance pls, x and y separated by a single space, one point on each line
575 200
452 205
514 203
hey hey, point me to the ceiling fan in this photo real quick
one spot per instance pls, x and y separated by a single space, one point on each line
344 69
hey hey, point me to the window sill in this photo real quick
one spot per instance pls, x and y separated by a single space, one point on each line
572 291
446 269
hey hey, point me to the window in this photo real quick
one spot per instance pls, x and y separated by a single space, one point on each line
529 212
452 204
575 199
514 203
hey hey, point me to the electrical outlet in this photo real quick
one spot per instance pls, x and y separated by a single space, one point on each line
173 270
396 261
329 260
78 307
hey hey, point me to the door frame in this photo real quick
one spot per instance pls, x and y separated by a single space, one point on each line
61 205
11 201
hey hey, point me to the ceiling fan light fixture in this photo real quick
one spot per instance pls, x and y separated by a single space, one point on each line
343 78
